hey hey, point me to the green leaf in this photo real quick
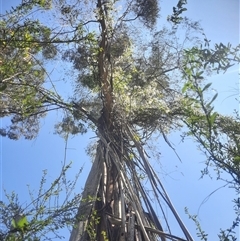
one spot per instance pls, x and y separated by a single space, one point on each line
214 98
20 222
206 86
199 74
213 118
186 86
236 160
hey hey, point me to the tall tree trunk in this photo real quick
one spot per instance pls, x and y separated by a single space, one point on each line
112 202
110 206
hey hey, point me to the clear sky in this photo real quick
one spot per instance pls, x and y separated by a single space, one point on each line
22 161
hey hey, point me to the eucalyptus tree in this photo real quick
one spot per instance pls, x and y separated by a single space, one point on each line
131 99
127 77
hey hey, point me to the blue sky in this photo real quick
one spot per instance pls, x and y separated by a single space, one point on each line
22 161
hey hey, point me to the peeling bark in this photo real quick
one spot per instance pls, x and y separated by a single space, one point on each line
112 201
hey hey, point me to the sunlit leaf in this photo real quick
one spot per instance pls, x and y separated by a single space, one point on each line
19 222
213 118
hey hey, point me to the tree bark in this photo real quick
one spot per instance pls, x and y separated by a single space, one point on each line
111 208
89 196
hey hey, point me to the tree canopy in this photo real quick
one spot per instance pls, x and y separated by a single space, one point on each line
127 80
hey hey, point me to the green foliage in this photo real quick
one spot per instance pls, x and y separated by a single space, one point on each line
224 235
41 216
201 234
176 18
217 135
93 222
209 128
147 10
134 79
69 126
104 234
20 222
220 58
84 59
22 75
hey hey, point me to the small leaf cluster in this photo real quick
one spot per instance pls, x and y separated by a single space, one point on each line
176 18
